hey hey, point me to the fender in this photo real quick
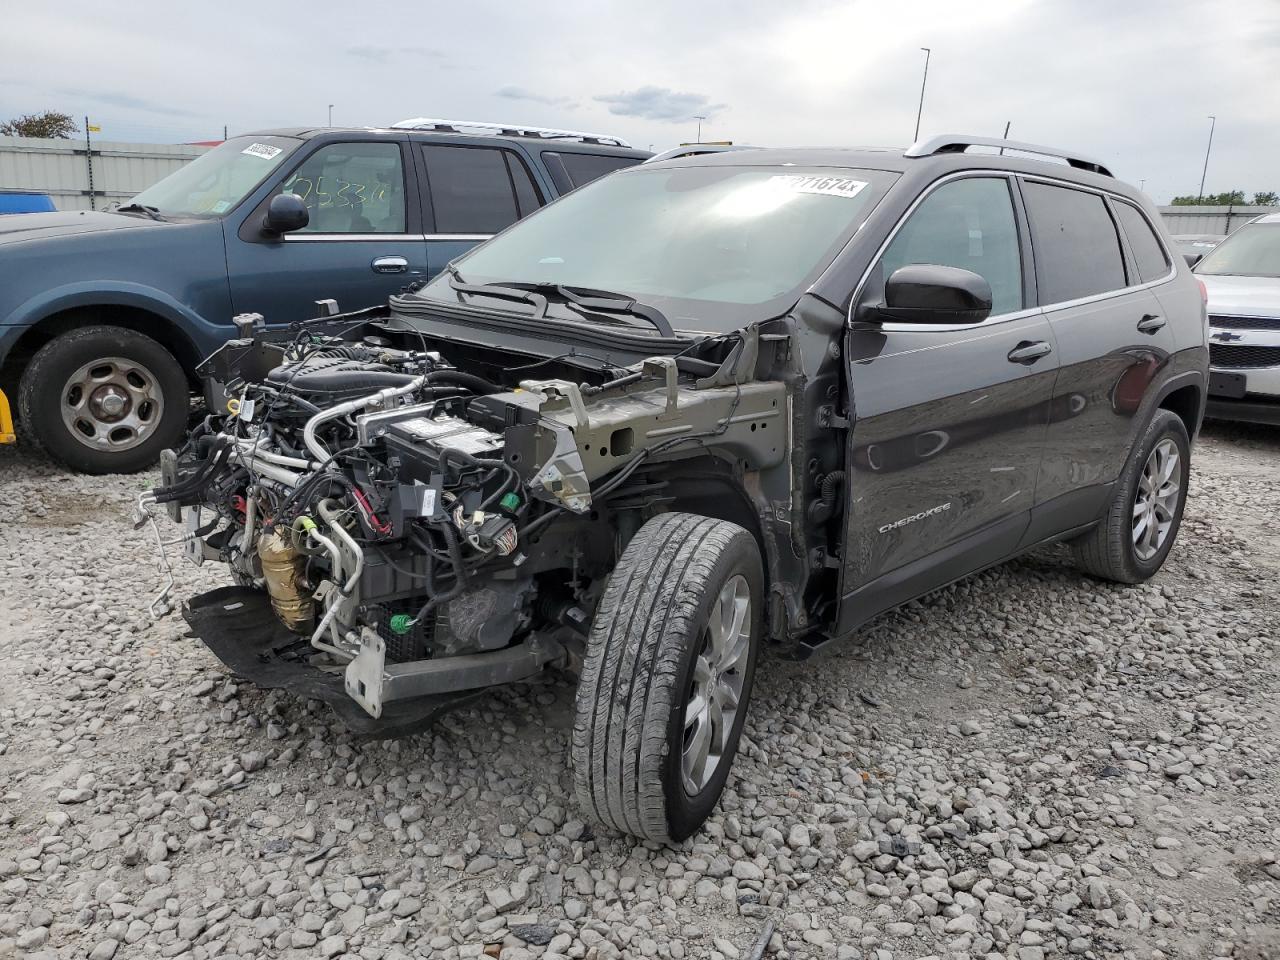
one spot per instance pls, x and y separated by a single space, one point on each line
1188 378
203 334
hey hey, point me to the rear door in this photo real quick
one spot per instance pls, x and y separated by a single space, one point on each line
472 191
362 244
949 422
1113 339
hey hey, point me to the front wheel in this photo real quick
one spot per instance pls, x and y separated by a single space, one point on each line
667 676
104 399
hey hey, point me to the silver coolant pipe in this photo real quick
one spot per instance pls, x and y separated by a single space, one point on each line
253 452
382 397
331 515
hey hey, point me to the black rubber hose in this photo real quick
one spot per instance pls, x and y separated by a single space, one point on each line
468 380
438 597
196 481
831 486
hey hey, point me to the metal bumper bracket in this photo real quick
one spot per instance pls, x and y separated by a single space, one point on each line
239 626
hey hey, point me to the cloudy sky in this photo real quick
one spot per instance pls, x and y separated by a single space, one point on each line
1131 82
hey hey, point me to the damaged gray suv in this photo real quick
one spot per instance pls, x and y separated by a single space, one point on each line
694 405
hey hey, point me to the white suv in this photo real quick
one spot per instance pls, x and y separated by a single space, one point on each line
1242 277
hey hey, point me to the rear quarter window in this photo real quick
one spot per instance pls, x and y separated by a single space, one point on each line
571 170
1077 249
1147 249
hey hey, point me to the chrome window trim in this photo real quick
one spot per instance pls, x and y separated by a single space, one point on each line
1043 308
1105 194
371 237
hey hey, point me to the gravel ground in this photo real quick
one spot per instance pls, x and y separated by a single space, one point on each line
1027 764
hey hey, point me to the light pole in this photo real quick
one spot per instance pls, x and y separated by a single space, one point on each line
331 114
1213 122
925 80
699 119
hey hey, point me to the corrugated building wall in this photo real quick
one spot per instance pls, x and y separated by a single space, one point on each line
1215 220
60 168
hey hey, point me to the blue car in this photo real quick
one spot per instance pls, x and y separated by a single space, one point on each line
105 316
24 201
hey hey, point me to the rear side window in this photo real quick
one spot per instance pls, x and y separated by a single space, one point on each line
571 170
1076 245
477 189
1146 247
968 224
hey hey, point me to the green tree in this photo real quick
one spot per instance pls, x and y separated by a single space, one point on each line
1266 198
1230 198
51 124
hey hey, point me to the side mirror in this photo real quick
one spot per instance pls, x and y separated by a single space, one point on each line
286 212
1192 258
930 293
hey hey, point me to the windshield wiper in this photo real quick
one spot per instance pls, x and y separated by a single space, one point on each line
152 212
591 303
498 290
606 301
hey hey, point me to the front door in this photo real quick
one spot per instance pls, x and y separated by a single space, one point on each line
949 421
363 242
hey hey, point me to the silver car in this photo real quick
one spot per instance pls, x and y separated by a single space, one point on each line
1242 279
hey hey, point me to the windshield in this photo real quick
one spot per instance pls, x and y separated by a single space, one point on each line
213 183
1252 251
712 247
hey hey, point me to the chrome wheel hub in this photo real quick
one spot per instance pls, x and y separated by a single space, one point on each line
112 404
718 675
1156 501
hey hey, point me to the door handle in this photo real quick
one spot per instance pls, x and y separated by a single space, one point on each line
1150 323
1029 351
390 265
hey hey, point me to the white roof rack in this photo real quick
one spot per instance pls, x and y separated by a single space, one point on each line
506 130
959 142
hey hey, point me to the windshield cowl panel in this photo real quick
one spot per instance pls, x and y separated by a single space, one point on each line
707 248
215 183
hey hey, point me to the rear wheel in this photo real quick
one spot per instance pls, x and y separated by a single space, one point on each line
1133 540
667 676
104 399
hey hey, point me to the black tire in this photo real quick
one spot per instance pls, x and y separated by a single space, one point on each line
648 633
47 376
1108 550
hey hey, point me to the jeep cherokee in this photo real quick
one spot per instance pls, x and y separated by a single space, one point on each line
764 393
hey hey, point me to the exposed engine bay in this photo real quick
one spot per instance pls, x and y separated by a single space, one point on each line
424 523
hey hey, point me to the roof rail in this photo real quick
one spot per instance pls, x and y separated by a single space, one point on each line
959 143
506 130
697 150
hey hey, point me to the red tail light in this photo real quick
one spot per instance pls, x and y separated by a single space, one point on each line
1204 292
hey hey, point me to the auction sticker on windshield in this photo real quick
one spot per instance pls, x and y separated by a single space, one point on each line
845 187
263 150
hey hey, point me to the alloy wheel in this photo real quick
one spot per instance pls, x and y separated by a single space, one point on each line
716 690
1156 502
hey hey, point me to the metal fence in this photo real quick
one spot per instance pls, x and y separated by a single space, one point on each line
79 180
1215 220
